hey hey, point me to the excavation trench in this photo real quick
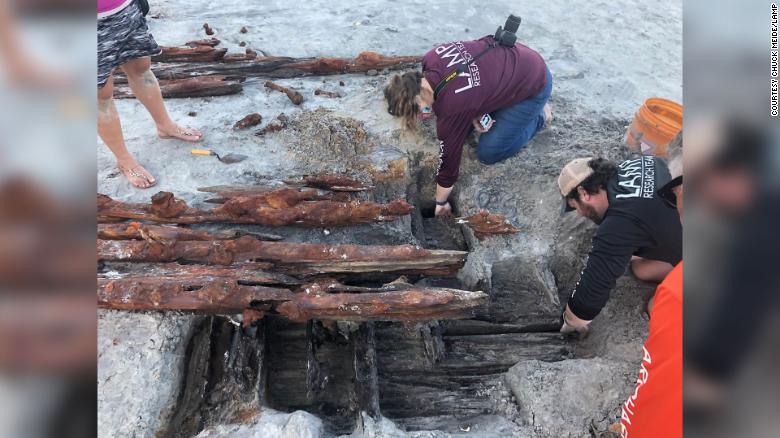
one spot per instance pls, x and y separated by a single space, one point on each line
431 375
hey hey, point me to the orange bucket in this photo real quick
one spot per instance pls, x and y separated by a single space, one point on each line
654 126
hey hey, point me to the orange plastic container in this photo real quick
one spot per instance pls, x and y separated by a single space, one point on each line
655 125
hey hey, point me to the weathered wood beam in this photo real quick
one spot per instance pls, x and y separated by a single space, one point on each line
326 181
248 56
192 276
331 181
223 379
298 257
215 294
166 233
286 364
414 390
295 97
316 373
211 42
366 377
156 233
285 67
203 86
471 354
285 210
199 53
275 208
412 304
251 197
529 322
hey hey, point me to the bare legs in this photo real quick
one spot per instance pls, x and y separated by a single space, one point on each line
147 90
110 131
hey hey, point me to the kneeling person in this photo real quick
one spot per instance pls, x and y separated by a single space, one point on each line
511 84
636 227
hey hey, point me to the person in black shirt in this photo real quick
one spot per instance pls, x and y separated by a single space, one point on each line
636 227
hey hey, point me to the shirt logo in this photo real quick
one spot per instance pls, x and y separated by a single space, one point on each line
441 156
628 407
456 53
636 178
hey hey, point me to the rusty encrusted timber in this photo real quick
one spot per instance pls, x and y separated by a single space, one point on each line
279 207
302 258
166 233
216 295
248 273
199 53
249 120
251 197
285 67
158 233
228 295
294 96
203 86
325 181
330 181
211 42
485 224
408 303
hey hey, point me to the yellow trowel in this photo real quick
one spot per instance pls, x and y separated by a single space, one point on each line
227 159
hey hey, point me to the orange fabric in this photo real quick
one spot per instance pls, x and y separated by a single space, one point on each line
654 409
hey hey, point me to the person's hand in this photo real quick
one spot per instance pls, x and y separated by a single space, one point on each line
479 127
443 210
573 324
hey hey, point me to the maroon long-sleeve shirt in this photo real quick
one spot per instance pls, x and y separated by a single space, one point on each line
501 78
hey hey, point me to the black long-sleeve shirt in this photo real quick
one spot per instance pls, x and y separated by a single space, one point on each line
637 222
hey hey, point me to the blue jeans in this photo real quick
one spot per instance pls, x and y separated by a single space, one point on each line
514 127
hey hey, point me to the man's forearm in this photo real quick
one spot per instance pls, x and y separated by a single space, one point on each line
442 193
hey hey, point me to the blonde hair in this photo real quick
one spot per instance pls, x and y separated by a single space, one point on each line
399 95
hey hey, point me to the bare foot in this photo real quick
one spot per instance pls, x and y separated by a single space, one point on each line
176 131
137 175
548 116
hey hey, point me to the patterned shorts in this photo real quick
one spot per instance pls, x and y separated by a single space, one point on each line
122 37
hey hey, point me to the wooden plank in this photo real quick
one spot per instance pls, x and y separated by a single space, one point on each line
202 86
166 233
299 257
286 67
412 304
209 295
366 377
275 208
199 53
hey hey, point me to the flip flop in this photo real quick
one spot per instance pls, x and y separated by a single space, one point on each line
136 175
182 134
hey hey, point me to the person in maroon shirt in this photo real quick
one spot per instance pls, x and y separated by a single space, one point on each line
512 84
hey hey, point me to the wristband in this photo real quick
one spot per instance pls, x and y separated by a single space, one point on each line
442 203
